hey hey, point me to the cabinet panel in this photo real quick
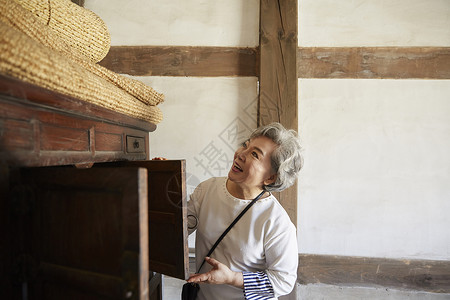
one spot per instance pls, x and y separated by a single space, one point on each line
168 234
169 252
85 233
55 138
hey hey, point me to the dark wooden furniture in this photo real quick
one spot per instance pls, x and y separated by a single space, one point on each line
83 213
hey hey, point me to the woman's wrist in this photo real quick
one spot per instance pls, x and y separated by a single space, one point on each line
237 280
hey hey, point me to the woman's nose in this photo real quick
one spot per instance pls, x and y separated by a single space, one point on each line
241 155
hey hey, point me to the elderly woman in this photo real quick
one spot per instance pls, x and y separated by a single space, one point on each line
258 257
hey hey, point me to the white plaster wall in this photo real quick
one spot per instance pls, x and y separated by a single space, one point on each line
377 168
204 121
377 171
180 22
358 23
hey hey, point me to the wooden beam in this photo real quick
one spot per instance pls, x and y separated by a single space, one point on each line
181 61
420 275
278 75
375 62
312 62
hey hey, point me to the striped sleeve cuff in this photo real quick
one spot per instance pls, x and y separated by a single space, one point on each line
257 286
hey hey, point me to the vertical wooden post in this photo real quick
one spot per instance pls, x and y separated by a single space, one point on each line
278 80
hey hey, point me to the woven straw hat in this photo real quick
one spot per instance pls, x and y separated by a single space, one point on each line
82 29
18 17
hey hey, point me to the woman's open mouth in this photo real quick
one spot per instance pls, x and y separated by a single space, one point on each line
236 167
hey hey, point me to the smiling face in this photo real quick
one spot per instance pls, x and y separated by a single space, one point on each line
251 167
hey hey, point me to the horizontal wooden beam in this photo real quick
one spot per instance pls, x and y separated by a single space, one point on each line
374 62
182 61
312 62
420 275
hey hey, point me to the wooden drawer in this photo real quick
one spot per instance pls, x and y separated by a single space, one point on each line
135 144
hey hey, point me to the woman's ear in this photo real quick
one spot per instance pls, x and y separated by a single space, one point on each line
271 179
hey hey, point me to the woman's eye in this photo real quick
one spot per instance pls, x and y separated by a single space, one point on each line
255 154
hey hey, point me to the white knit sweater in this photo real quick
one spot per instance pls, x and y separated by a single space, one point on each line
264 239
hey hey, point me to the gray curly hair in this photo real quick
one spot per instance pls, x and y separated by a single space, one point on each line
286 159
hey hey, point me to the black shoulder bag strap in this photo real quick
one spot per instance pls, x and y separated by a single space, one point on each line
231 226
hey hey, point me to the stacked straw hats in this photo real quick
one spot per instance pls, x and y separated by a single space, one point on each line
56 44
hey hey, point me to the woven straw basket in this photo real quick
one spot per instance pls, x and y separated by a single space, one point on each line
82 29
24 58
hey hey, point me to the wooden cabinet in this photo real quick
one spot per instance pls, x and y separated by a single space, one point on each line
83 213
43 128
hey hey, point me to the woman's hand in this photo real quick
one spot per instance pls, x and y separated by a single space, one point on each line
220 274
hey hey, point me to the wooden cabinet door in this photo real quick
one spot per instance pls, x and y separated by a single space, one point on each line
86 236
167 211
